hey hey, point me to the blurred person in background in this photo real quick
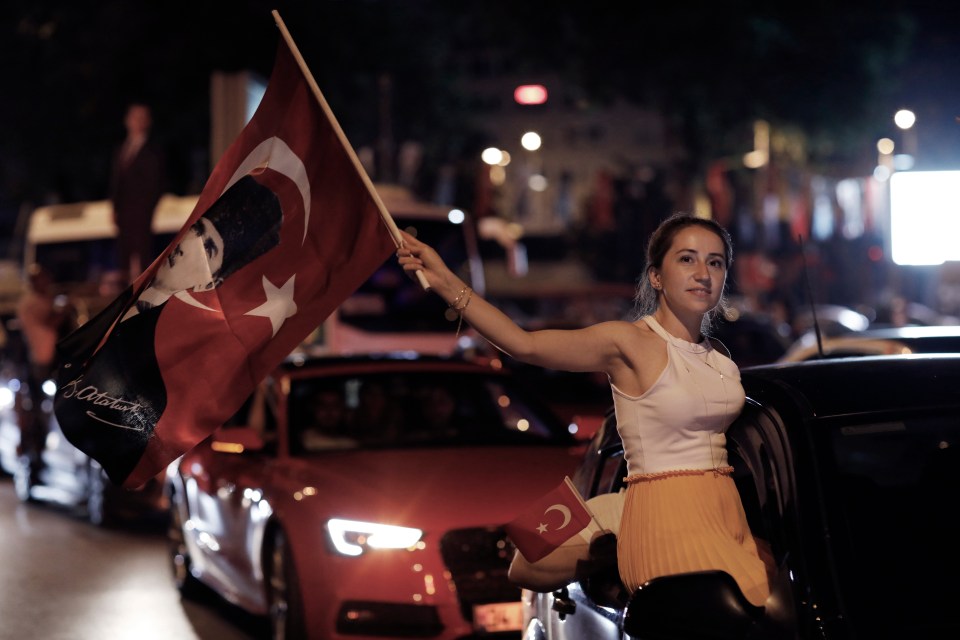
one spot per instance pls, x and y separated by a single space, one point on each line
328 425
674 394
137 180
43 319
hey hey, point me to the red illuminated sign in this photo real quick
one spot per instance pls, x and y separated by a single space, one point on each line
530 94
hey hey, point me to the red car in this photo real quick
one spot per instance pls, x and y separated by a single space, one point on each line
365 498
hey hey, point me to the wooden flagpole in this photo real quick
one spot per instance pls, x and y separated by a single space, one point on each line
583 502
387 218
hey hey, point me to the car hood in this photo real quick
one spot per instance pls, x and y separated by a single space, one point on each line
480 486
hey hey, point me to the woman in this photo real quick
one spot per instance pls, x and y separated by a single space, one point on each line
674 396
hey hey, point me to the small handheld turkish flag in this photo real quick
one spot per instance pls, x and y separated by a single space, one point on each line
549 522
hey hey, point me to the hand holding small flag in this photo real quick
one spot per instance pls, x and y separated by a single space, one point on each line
549 522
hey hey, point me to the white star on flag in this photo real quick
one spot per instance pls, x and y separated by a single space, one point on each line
542 528
279 304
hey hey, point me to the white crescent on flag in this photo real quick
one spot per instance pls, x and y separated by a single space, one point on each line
275 154
565 511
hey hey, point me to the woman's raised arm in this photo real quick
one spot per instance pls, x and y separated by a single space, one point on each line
594 348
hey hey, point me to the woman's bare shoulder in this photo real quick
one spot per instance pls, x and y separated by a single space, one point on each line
632 336
643 356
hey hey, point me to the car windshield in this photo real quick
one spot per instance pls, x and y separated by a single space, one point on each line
408 408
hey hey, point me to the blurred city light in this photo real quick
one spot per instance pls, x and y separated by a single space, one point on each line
531 141
903 162
456 216
530 94
491 155
537 182
923 223
904 118
755 159
761 146
885 146
881 173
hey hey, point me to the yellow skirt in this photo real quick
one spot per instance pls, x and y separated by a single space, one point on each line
682 522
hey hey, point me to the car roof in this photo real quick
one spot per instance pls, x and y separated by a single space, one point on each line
914 332
880 341
299 362
846 386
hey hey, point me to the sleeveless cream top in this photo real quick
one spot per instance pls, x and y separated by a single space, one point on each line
679 422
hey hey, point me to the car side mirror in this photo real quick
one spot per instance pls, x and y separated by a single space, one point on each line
662 608
237 440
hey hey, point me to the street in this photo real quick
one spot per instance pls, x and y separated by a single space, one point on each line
64 579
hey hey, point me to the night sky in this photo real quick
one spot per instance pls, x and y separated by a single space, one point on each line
72 66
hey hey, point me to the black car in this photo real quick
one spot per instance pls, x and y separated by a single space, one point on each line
850 469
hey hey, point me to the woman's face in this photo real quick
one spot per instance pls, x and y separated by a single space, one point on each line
693 272
193 262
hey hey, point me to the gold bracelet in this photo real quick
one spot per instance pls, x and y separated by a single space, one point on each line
459 297
467 302
451 313
461 310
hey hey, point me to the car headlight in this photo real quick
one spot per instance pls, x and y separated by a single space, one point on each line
352 538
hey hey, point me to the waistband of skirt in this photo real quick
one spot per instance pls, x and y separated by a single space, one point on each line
642 477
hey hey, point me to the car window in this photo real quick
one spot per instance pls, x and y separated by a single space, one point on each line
416 409
894 508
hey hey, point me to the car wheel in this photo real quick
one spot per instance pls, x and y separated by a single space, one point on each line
283 592
23 479
183 579
98 506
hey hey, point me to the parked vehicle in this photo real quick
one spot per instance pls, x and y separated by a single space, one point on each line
752 338
832 319
61 474
384 523
871 342
580 399
848 468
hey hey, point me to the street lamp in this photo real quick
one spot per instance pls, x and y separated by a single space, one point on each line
884 168
905 119
531 141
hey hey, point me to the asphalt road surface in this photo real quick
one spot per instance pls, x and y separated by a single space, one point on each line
61 578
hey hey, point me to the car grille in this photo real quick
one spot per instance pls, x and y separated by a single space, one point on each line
478 560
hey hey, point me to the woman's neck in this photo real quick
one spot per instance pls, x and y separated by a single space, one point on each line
688 329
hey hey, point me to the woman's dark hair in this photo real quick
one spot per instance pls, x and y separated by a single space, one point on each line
646 299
